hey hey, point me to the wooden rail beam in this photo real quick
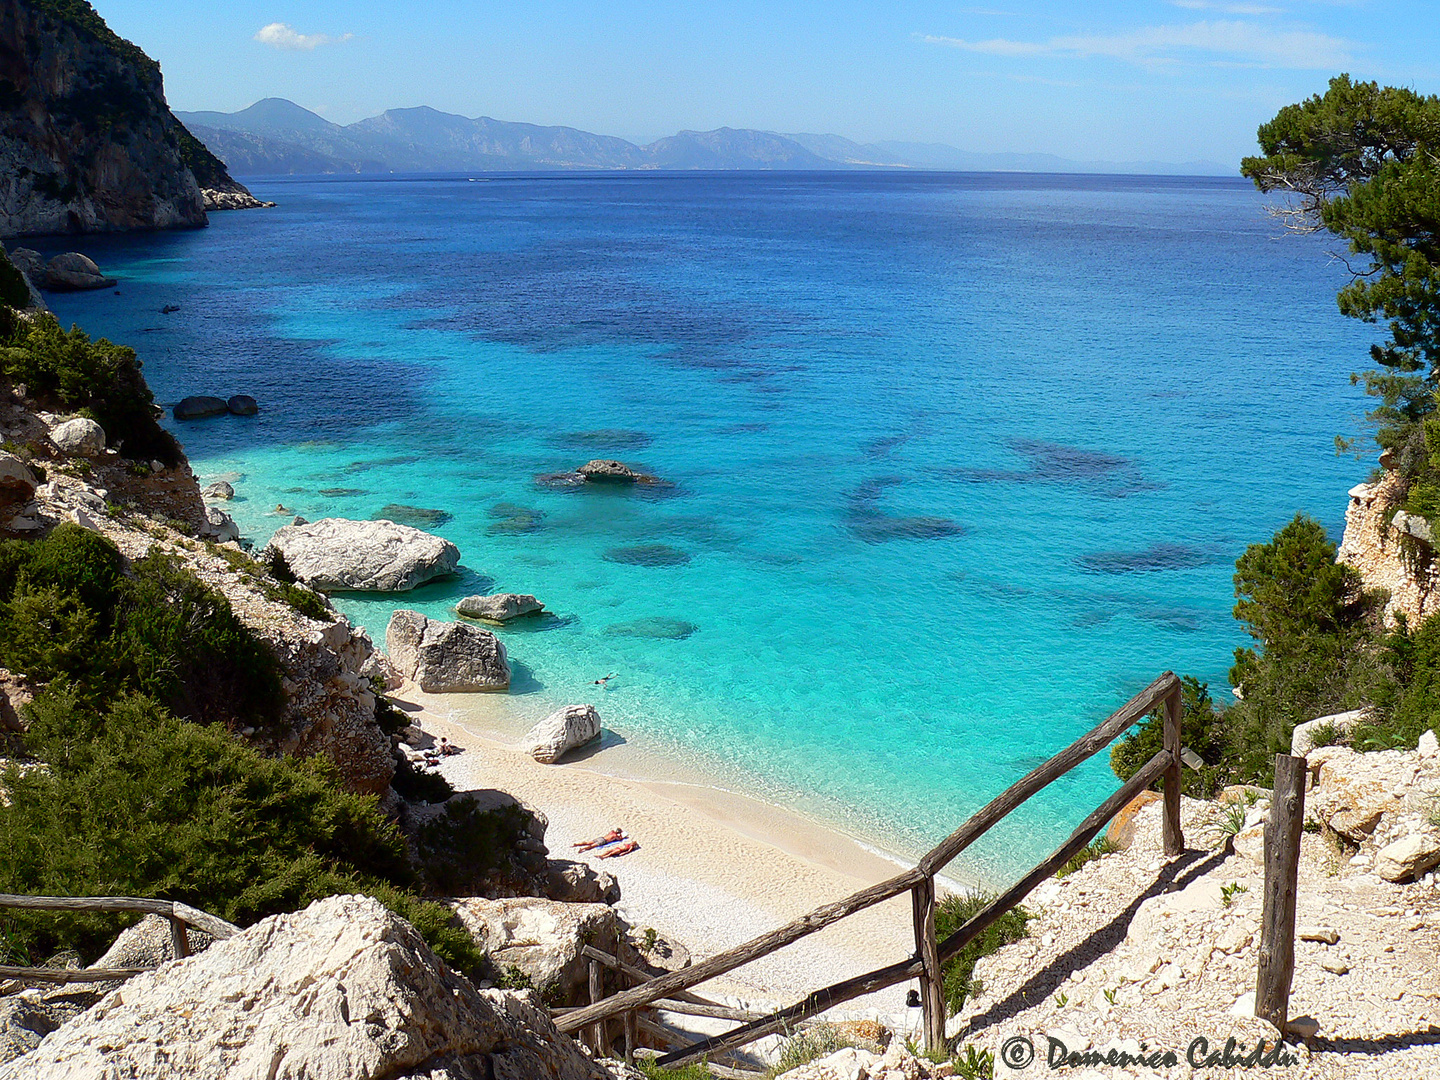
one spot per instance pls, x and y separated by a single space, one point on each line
69 975
980 823
171 909
841 992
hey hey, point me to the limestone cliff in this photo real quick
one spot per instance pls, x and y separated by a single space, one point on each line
1386 556
87 143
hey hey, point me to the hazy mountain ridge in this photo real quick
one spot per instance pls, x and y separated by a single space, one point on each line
277 136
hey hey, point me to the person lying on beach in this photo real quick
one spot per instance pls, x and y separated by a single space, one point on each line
609 838
447 747
623 849
602 682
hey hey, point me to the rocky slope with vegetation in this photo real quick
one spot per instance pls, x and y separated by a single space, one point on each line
87 143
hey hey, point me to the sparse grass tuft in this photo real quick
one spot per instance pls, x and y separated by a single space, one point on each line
1101 845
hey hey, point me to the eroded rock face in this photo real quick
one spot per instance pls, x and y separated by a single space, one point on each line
562 731
502 607
443 657
342 989
1376 548
542 939
579 883
1382 802
364 556
69 166
17 482
610 472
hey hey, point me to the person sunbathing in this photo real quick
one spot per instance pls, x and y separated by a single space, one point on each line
623 849
609 838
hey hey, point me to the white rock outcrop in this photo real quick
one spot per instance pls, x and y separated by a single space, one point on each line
220 526
1302 739
541 938
363 556
502 607
79 437
562 731
444 657
340 990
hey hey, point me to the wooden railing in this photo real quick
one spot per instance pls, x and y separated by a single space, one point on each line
180 916
930 955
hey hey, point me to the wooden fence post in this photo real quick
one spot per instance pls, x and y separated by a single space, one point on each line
1282 867
178 938
932 984
597 992
1174 709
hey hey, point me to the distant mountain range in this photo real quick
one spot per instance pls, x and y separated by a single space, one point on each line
275 136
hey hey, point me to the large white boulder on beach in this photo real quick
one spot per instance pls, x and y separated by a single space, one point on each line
445 657
560 732
363 556
342 989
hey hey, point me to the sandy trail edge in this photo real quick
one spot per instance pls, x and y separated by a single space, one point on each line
713 869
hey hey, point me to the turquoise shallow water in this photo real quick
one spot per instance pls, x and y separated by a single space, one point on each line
955 463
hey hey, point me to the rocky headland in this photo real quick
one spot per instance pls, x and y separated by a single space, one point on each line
87 143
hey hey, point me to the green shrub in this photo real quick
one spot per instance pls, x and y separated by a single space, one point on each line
178 639
419 785
955 911
69 371
1319 651
1408 704
13 290
67 609
464 846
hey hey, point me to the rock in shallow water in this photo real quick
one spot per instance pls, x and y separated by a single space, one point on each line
200 407
363 556
242 405
499 608
342 989
441 657
562 731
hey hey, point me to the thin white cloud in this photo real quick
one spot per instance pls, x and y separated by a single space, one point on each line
1153 46
280 35
1226 8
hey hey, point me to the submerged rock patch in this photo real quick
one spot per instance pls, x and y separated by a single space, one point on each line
655 628
418 516
647 555
1154 557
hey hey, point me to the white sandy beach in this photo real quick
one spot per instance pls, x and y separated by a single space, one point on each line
713 868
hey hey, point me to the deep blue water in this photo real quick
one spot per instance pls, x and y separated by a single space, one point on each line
956 463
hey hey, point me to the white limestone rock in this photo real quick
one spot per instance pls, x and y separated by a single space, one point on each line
542 938
443 657
17 482
221 526
364 556
342 989
79 437
1429 745
501 607
221 489
1302 739
74 271
1408 858
560 732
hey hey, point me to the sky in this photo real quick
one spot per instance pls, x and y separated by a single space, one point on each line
1129 80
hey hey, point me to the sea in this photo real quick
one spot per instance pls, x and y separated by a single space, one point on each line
950 464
